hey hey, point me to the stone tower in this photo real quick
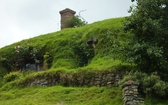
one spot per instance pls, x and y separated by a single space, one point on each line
66 14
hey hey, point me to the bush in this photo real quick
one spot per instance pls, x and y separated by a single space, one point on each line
48 58
148 46
154 86
76 21
150 84
11 76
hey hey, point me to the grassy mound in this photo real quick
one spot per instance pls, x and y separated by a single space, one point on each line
70 49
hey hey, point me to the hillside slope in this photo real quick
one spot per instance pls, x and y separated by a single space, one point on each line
74 48
89 49
92 47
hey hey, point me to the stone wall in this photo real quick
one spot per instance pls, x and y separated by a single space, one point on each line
84 78
88 78
131 94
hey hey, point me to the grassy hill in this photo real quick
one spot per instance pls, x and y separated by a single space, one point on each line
69 47
67 50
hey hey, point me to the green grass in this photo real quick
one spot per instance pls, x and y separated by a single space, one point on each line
69 50
63 45
58 95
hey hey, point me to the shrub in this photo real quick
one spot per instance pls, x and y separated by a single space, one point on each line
11 76
48 58
148 46
84 53
154 86
150 84
76 21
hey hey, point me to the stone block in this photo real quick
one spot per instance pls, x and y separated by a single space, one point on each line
125 88
131 92
129 103
135 90
98 79
97 83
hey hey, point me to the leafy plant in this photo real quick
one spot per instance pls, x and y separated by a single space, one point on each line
84 53
148 24
76 21
48 58
11 76
150 85
28 54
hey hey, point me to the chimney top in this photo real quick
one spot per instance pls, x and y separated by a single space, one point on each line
66 15
67 10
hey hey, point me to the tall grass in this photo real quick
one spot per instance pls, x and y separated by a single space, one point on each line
58 95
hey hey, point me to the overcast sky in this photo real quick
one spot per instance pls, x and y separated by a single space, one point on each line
23 19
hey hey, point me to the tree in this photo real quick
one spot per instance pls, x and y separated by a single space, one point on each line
149 26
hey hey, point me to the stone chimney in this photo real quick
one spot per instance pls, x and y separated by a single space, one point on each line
66 15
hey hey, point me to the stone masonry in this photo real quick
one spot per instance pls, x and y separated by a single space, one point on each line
84 78
66 15
130 93
89 78
100 79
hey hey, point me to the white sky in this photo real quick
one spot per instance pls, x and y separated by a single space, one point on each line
23 19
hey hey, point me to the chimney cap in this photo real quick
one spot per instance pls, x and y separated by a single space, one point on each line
67 10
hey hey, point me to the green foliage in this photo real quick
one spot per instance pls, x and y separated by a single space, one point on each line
27 53
148 24
69 49
155 101
3 71
84 53
154 86
18 55
150 85
11 76
48 58
62 95
76 21
8 58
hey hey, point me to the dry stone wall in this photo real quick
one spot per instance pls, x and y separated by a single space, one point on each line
131 94
84 78
89 78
